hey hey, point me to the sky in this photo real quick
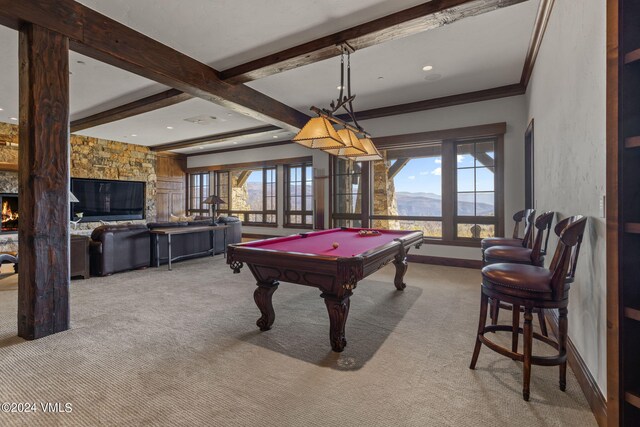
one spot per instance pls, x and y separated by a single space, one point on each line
423 175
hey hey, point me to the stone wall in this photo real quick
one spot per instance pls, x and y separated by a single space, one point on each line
90 158
384 196
102 159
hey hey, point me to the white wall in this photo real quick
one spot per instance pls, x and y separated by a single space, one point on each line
510 110
566 97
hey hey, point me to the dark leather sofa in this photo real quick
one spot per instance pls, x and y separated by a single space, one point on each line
191 245
115 248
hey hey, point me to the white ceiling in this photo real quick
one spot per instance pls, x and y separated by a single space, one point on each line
473 54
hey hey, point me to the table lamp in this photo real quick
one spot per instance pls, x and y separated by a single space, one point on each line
213 200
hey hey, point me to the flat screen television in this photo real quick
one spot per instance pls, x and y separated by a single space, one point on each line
109 200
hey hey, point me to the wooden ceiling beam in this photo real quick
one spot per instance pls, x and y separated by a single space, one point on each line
396 167
109 41
209 139
426 16
140 106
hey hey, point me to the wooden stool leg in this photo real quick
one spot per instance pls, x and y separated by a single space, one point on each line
528 343
495 311
515 324
543 322
562 345
484 302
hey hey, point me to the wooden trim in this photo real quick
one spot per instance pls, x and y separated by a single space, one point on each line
250 147
632 313
632 56
410 139
632 227
446 101
499 166
470 243
426 16
539 27
134 108
251 165
632 142
8 167
219 137
476 264
529 166
632 398
258 236
100 37
588 384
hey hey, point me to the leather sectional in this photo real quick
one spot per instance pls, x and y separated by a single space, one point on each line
116 248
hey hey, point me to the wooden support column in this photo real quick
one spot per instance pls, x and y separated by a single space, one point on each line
43 177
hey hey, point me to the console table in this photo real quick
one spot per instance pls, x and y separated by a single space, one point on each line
169 231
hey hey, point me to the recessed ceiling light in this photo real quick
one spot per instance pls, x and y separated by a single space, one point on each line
13 118
133 134
169 127
235 142
427 68
380 77
340 87
1 109
275 136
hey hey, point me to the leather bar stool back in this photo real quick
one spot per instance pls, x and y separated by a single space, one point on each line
525 241
532 287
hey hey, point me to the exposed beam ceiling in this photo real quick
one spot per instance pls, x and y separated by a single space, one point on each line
206 140
107 40
429 15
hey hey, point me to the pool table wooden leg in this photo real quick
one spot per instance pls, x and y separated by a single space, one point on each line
262 297
338 308
401 268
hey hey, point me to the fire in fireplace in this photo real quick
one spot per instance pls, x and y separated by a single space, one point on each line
9 213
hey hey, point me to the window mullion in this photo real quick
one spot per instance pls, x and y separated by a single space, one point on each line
449 189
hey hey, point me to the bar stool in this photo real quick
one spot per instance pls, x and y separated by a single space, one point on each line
532 287
525 242
520 255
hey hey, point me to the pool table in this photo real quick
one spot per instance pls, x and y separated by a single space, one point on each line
311 259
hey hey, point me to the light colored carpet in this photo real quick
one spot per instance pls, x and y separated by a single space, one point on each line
181 348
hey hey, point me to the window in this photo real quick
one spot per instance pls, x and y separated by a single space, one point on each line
250 194
475 186
407 191
448 189
347 193
198 192
299 195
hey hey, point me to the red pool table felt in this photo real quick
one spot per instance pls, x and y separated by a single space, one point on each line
320 242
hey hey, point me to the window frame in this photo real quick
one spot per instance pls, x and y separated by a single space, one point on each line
245 214
412 146
202 210
305 211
